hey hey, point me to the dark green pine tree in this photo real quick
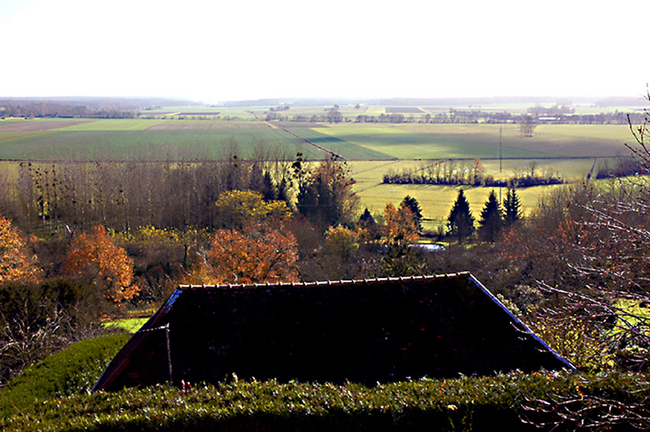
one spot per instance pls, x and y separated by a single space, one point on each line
491 219
511 207
366 219
368 222
414 206
461 221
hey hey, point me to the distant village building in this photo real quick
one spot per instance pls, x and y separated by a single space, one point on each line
366 331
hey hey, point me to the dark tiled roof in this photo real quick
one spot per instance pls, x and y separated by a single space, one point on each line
388 329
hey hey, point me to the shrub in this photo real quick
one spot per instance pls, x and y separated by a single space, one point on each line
37 319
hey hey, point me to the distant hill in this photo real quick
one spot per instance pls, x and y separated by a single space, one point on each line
449 101
622 101
81 106
122 103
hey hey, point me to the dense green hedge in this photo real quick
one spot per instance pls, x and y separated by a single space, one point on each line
463 404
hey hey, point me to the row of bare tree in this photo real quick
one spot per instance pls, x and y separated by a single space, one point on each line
123 195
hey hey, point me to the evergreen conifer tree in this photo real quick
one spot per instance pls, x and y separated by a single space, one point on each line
414 206
366 218
461 221
511 208
368 223
491 219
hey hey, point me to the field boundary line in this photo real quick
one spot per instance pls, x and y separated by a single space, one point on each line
391 162
305 140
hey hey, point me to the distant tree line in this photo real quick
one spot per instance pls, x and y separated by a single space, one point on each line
534 116
620 168
93 107
452 173
330 116
58 110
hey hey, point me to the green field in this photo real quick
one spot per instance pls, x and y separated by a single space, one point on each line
445 141
427 142
137 140
372 149
213 139
340 146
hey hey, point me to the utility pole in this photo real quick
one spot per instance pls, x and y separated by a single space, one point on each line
500 158
169 354
500 149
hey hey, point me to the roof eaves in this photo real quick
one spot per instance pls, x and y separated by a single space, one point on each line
331 282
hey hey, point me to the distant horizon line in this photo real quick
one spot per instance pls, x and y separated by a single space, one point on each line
332 99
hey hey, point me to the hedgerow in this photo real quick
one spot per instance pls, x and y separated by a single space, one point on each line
461 404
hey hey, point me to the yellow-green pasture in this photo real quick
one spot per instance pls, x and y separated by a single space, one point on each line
436 201
368 174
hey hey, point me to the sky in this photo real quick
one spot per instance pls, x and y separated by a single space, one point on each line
212 51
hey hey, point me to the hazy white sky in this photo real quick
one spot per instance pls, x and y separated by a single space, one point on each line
248 49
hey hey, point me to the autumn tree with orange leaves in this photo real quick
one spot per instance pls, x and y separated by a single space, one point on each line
16 261
401 224
401 231
256 254
96 257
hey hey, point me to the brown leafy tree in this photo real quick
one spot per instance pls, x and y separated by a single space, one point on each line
401 231
16 261
95 257
257 253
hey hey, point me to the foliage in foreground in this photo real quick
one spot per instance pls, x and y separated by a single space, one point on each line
454 404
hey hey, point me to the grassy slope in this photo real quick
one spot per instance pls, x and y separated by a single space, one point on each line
72 371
